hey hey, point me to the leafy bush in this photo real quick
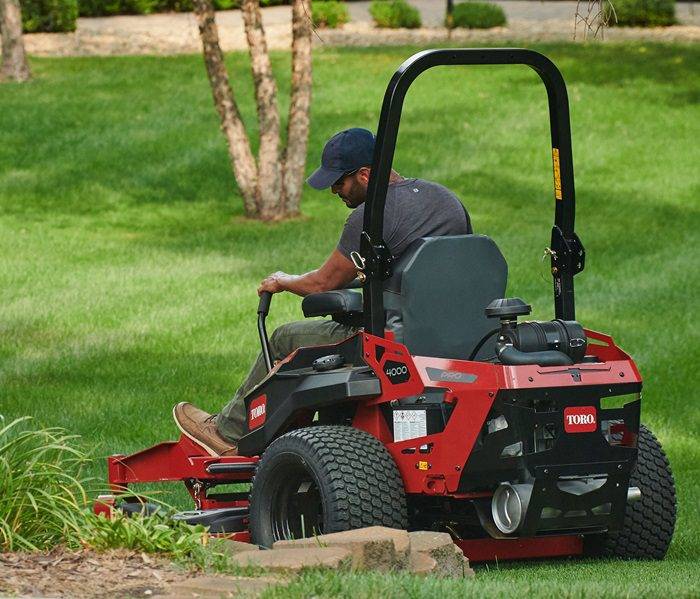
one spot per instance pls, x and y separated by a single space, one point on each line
394 14
641 13
477 15
329 13
49 15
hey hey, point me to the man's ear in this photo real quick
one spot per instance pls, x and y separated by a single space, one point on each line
363 174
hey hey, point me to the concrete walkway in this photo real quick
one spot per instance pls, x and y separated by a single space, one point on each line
175 33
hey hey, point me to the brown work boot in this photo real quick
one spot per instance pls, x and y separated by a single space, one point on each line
200 426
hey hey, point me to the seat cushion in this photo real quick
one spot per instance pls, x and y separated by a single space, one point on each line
330 303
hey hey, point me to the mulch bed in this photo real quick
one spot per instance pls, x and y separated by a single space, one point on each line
62 573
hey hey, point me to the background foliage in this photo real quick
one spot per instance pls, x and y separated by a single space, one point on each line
394 14
478 15
49 15
329 13
98 8
642 13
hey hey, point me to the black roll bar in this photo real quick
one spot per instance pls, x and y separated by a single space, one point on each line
567 256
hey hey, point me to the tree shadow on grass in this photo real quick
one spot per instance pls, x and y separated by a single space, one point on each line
122 399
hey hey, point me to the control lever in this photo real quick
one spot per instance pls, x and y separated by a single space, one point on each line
263 309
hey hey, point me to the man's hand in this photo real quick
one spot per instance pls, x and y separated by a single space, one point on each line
335 273
274 283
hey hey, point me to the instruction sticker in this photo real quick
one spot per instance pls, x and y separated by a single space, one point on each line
409 424
557 173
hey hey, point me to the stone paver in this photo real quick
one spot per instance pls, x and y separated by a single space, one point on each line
231 548
450 561
421 564
176 33
372 548
294 560
216 587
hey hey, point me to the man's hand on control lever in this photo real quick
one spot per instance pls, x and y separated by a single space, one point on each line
273 283
335 273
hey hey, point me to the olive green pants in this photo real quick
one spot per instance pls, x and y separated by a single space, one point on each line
232 422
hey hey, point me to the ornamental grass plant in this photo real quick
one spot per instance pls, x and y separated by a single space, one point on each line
45 502
42 492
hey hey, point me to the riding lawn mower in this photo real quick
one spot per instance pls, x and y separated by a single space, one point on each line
444 412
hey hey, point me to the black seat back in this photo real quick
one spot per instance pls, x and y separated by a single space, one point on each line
436 296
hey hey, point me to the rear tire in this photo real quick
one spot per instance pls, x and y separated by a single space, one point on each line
649 523
324 479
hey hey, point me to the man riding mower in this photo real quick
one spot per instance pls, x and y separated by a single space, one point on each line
442 412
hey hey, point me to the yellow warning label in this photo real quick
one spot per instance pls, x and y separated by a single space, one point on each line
423 465
557 173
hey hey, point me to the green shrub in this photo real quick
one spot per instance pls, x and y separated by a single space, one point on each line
103 8
49 15
477 15
98 8
641 13
394 14
329 13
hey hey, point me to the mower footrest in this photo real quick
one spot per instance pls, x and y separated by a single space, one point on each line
224 467
232 519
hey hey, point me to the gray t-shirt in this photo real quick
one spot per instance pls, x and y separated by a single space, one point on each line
413 209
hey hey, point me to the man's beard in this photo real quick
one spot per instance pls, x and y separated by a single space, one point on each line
356 196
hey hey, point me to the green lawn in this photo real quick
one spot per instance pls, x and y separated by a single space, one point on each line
128 274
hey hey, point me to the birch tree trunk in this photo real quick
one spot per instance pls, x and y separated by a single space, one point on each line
240 154
299 108
271 185
14 59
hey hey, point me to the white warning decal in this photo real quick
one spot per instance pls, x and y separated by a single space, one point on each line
409 424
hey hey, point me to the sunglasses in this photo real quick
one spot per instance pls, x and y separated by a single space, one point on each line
340 179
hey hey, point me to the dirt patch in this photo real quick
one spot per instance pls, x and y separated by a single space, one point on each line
62 573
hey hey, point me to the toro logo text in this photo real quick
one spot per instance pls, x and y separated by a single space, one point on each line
257 412
580 419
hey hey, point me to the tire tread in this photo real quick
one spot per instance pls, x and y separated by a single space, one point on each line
363 483
649 523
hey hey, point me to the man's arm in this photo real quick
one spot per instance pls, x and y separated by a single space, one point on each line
335 273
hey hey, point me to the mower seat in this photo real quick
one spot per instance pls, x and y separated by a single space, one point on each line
436 296
342 305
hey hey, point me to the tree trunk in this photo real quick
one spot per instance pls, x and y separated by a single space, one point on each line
240 154
272 185
269 184
299 108
14 59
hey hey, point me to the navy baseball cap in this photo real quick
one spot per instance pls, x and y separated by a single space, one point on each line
343 153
